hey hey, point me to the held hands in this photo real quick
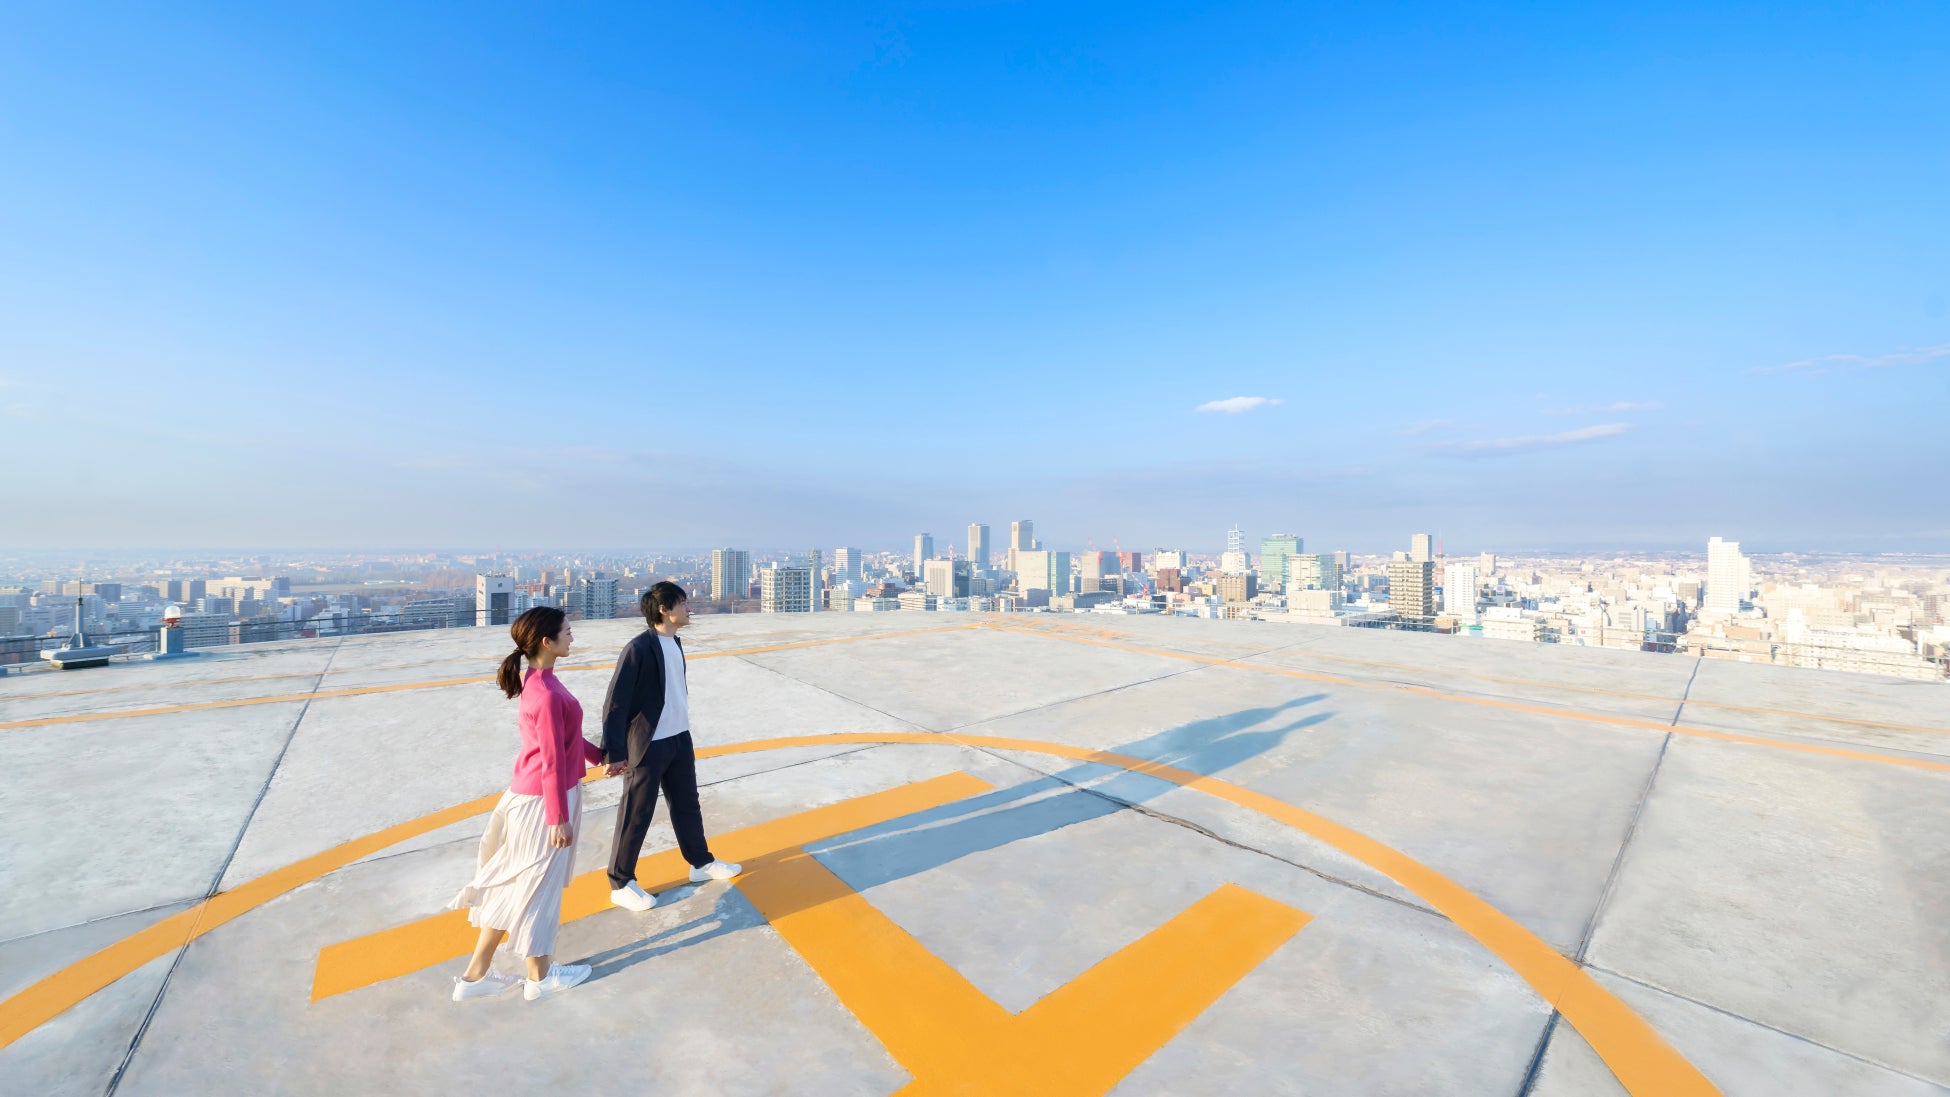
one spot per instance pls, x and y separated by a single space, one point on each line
614 768
560 836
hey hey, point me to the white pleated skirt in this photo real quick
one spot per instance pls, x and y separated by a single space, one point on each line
518 882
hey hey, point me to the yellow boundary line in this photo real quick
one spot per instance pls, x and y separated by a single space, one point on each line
1644 1063
1510 706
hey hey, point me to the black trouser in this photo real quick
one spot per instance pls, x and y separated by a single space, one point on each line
672 764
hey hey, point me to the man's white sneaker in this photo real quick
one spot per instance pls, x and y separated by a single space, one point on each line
716 870
633 898
490 985
560 977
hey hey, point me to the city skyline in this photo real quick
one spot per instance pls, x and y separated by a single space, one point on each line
1540 280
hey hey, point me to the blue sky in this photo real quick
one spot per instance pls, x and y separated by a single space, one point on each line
596 276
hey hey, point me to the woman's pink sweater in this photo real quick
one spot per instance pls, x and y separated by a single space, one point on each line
554 755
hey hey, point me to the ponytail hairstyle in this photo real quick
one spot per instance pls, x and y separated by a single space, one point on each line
529 630
659 598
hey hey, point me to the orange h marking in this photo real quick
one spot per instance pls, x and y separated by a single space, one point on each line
1079 1040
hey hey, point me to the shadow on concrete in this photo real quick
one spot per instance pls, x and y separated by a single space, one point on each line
930 839
727 916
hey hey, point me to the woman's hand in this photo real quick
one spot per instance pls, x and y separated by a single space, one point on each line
560 836
615 768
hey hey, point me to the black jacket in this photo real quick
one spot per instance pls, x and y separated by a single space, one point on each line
636 698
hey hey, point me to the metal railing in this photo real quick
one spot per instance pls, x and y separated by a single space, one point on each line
203 635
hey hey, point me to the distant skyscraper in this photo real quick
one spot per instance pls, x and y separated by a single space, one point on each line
978 547
946 578
1485 564
923 551
1237 588
784 590
818 569
1421 547
598 598
1411 587
1273 554
1022 538
493 599
1043 569
1235 560
846 564
731 574
1314 571
1093 568
1459 591
1729 577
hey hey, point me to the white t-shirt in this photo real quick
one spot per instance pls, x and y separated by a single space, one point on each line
676 718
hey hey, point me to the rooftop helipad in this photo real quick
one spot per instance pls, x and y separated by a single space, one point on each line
1005 855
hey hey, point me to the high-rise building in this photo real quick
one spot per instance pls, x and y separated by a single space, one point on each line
1235 561
1729 577
1421 548
846 565
598 597
784 589
1130 562
1093 568
731 574
1314 571
1043 569
1022 538
946 578
1485 564
1274 552
1459 588
1237 588
1411 587
1340 561
1168 579
978 547
493 599
923 551
818 569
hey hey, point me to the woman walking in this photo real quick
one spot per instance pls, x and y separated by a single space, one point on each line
528 853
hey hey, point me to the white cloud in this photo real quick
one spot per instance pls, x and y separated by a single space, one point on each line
1237 404
1903 357
1497 447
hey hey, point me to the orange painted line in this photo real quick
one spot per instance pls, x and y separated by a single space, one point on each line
1638 1056
439 683
35 1005
1643 1062
1080 1039
402 950
1515 706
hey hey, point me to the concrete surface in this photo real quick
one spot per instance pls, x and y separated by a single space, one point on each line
1779 916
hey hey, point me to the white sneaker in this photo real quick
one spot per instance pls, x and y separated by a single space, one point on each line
560 977
716 870
491 985
633 897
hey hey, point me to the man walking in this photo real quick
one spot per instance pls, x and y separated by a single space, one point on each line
647 732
